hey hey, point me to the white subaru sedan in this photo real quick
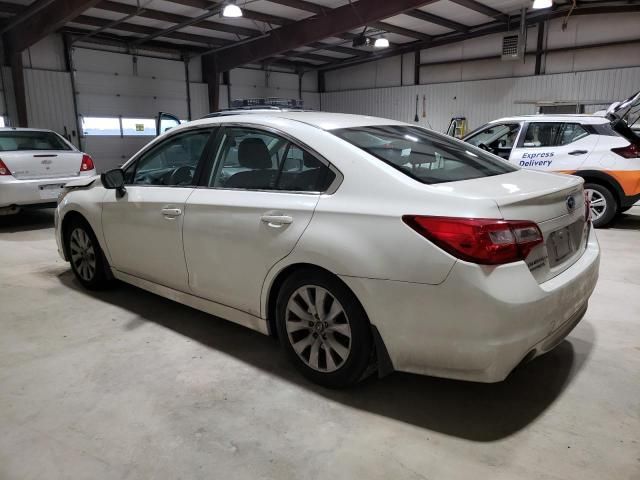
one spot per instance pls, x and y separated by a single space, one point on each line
34 167
361 243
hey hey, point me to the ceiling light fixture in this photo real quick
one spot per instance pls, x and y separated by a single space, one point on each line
539 4
231 10
381 43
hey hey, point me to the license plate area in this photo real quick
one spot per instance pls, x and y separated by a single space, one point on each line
50 191
563 243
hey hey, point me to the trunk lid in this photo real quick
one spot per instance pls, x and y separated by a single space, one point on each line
625 117
554 201
36 164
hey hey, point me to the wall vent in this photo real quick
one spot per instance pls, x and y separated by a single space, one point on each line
512 47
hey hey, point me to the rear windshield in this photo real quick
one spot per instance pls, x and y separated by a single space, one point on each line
423 155
24 140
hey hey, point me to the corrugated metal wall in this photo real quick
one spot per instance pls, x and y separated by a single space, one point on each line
484 100
50 102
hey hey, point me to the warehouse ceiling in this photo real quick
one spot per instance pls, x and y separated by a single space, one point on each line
293 33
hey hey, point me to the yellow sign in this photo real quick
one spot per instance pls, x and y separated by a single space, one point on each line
139 127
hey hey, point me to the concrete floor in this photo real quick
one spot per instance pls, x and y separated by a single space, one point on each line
125 384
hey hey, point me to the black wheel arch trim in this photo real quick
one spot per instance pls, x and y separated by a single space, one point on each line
604 179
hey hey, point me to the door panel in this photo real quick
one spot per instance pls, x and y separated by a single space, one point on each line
233 237
143 232
553 146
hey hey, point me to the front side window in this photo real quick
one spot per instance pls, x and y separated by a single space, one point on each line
172 162
500 135
15 140
425 156
253 159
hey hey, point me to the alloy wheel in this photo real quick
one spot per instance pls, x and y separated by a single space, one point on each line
597 202
318 328
83 255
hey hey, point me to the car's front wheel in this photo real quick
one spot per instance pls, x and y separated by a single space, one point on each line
603 204
323 328
85 255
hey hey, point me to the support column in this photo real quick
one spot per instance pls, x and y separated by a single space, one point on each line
19 90
212 77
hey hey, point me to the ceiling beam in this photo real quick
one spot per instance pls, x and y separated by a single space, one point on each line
387 27
174 18
144 30
436 20
48 19
320 10
487 29
288 37
127 9
483 9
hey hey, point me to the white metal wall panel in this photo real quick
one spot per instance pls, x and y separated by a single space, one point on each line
200 100
484 100
47 54
50 101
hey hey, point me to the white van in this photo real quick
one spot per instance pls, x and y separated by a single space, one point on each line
604 150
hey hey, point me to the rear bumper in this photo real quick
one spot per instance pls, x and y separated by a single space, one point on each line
28 192
480 323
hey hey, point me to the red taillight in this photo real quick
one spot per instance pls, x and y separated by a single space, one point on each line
3 169
87 163
479 240
630 151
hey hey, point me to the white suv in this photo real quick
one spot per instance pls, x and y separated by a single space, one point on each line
601 149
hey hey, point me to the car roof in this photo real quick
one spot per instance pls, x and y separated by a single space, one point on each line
19 129
322 120
580 118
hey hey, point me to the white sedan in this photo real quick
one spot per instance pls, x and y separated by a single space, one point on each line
361 243
34 167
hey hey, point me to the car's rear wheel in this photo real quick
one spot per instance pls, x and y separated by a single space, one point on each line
85 255
323 328
603 204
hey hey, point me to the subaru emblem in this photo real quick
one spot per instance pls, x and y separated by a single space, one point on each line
571 203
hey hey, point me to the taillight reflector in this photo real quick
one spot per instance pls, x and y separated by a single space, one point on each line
479 240
630 151
3 169
87 163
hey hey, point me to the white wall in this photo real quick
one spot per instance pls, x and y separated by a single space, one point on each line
483 100
250 83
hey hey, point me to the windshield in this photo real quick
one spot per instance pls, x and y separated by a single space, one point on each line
423 155
31 140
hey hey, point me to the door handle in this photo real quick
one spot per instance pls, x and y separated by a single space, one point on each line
276 220
578 152
171 212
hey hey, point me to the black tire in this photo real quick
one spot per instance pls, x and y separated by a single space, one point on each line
610 205
348 369
98 277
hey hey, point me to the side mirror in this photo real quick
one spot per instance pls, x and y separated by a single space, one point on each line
114 180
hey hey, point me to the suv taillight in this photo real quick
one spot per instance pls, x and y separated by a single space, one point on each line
87 163
3 169
479 240
630 151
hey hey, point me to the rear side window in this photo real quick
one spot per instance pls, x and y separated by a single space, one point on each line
556 134
425 156
15 140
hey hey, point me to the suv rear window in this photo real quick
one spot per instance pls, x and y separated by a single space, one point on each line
423 155
11 141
